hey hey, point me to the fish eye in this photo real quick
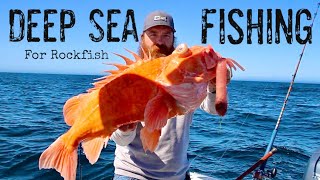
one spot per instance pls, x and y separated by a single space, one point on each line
182 50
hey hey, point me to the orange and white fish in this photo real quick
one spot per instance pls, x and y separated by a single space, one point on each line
149 90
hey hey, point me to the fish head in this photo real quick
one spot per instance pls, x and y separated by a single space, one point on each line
196 63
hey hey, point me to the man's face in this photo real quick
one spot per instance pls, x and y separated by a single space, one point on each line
158 40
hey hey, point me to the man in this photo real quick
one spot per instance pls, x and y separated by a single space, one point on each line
169 160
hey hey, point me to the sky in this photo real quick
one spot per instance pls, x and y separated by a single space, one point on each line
263 62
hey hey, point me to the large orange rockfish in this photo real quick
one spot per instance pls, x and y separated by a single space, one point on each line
149 90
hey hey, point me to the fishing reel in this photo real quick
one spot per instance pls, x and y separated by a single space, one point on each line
260 174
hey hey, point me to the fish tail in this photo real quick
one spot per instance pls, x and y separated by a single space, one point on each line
221 102
61 157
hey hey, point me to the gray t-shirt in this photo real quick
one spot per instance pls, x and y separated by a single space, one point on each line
169 161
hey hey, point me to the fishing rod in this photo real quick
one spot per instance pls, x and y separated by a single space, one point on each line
258 163
275 131
260 174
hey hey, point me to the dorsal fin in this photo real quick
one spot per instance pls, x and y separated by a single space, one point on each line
103 81
136 56
145 55
100 84
119 66
100 78
127 60
114 73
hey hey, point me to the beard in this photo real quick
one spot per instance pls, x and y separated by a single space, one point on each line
155 50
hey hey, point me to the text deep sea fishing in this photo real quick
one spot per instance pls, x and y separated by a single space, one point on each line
269 17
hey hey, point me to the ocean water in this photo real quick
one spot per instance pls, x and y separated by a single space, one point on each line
31 119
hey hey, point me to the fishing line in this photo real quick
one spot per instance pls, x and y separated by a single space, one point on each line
79 162
238 133
235 135
80 151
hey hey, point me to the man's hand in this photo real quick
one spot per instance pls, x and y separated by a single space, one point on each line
128 127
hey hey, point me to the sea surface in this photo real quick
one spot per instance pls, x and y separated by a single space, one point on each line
31 119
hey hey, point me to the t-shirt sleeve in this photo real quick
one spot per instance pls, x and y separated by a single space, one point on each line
123 138
208 104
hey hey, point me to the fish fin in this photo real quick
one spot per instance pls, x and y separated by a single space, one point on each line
70 109
127 60
101 78
92 148
145 55
113 71
231 63
136 56
120 67
101 82
156 113
149 139
61 158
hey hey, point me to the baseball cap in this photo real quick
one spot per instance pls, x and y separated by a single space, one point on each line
157 18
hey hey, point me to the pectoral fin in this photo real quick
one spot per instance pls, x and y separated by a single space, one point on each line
157 112
92 148
149 139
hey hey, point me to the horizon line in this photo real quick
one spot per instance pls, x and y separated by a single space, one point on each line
237 79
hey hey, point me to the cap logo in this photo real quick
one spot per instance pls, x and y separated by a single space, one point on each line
160 18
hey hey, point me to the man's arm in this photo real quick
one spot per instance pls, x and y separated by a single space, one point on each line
125 134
